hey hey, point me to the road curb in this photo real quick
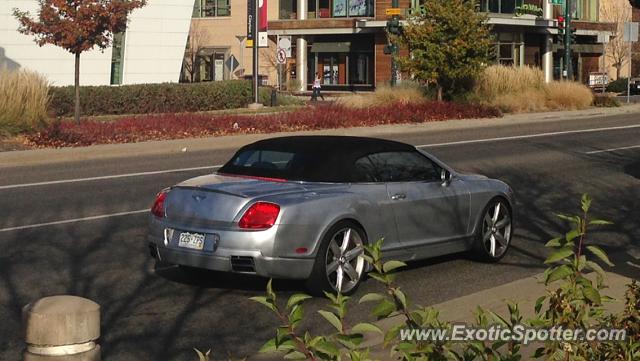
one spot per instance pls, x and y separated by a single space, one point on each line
175 146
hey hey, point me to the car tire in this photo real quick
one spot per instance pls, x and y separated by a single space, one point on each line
493 231
338 266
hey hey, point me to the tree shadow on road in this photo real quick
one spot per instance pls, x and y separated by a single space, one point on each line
162 314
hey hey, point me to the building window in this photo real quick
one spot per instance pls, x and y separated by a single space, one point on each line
585 10
117 58
210 64
318 9
211 8
342 62
506 6
510 49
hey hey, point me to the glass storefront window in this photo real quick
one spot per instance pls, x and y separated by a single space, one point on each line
508 6
318 9
585 10
288 9
210 65
360 68
342 62
510 49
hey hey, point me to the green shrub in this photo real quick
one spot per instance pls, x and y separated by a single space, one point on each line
153 98
618 86
24 96
605 101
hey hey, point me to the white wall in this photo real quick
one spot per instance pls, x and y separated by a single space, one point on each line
154 46
155 41
55 63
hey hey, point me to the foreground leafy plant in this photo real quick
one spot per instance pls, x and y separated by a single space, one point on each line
629 321
577 301
296 346
572 301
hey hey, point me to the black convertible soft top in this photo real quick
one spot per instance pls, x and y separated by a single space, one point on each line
311 158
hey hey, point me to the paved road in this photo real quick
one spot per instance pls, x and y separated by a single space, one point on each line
155 312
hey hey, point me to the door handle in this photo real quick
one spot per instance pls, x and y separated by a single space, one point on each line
398 196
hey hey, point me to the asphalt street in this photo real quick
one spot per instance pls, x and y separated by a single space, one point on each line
79 228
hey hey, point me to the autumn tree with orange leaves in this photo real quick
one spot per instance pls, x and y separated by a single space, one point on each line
77 26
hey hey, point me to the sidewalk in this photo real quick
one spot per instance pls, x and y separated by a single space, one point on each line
106 151
525 292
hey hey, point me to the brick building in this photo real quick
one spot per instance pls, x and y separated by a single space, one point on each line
343 40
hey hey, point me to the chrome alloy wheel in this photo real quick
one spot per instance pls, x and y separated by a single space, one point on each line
496 229
344 260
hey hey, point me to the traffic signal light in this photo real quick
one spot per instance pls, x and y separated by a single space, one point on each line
393 25
573 35
560 25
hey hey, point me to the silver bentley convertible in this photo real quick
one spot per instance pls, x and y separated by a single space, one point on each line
302 207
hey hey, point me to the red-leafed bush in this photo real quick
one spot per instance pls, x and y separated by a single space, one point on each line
172 126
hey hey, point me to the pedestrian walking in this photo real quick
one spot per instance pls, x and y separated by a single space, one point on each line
315 88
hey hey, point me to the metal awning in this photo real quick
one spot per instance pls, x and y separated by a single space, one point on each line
331 47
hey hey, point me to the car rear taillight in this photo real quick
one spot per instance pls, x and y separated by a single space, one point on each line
158 205
261 215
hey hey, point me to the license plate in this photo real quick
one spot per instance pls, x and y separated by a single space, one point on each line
191 241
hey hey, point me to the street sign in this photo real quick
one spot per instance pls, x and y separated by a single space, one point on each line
281 56
284 42
263 39
630 32
392 11
250 22
232 63
558 2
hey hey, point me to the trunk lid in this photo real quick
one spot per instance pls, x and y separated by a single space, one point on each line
213 201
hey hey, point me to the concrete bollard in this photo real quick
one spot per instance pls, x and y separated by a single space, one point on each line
62 328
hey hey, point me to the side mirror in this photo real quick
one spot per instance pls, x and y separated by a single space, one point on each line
445 177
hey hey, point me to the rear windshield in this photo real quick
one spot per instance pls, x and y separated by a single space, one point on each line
297 166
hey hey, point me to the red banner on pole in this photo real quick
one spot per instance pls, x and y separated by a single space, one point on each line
262 18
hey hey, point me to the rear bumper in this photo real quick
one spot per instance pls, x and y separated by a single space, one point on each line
234 260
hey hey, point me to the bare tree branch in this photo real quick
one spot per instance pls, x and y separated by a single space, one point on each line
617 12
198 39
